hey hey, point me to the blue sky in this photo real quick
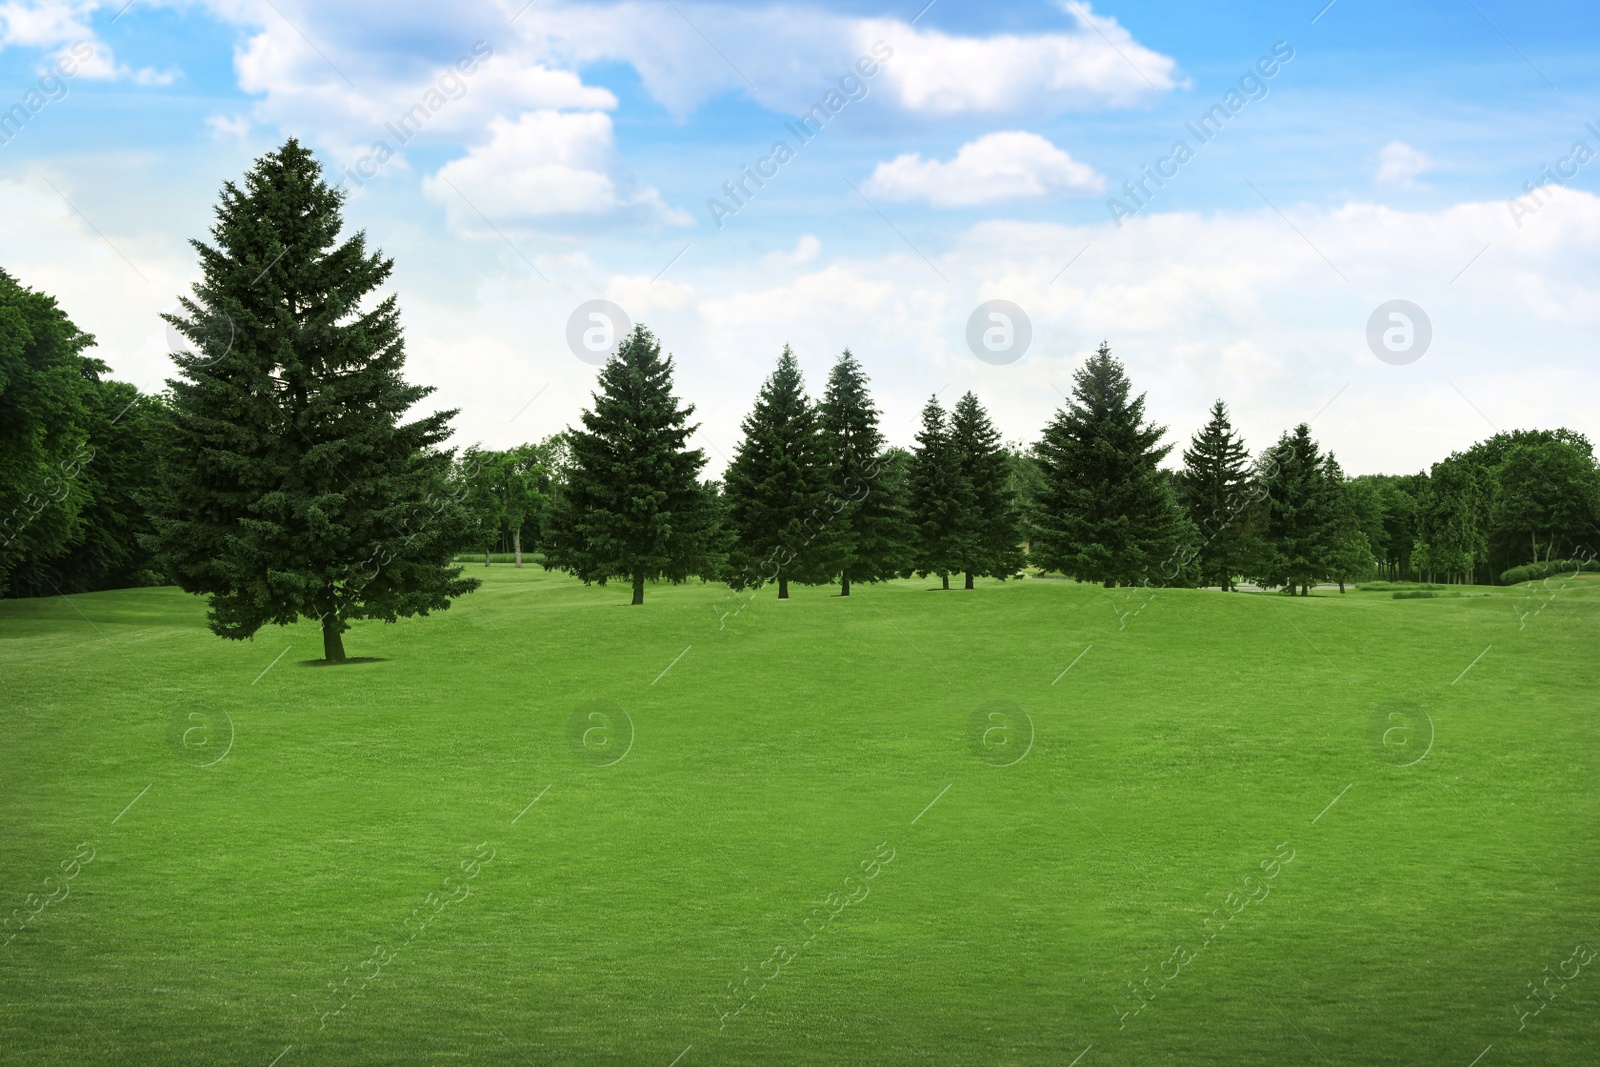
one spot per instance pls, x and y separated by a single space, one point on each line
976 164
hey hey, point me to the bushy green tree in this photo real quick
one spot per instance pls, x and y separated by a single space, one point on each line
477 478
865 534
1105 511
44 436
1547 496
937 497
988 539
290 486
1452 520
632 505
124 429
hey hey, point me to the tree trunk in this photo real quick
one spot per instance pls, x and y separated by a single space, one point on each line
516 541
1108 583
783 587
485 557
638 587
844 585
946 579
332 643
969 579
1341 587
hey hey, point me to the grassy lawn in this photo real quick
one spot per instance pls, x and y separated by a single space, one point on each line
545 827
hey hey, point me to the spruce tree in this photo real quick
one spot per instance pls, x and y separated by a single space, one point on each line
775 486
1214 488
989 541
865 540
938 498
1349 557
1105 512
290 486
1298 514
632 505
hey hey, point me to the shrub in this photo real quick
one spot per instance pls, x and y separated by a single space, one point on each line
1550 569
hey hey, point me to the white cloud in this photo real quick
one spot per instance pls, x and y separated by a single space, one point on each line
808 248
1400 165
151 76
55 24
1100 65
44 23
547 163
792 55
447 98
997 166
1230 304
229 127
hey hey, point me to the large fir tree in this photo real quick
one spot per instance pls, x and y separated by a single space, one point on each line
290 486
865 540
989 538
938 497
1105 512
776 486
632 505
1298 515
1214 488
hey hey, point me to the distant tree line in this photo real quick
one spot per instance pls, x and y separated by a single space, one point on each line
278 475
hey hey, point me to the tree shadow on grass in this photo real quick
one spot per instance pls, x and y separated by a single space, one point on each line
350 662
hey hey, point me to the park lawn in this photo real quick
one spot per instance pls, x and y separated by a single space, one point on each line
775 753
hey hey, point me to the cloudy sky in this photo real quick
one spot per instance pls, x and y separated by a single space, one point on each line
520 160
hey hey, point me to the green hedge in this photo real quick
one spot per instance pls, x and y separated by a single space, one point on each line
1552 569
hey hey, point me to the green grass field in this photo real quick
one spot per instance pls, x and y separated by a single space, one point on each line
440 857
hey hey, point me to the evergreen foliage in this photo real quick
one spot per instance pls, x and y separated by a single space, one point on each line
776 485
1105 511
290 487
866 539
1215 489
632 506
938 498
988 532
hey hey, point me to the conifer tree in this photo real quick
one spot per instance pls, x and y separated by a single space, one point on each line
1214 488
989 541
1105 512
290 486
1350 557
776 484
938 497
632 505
1298 515
865 540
